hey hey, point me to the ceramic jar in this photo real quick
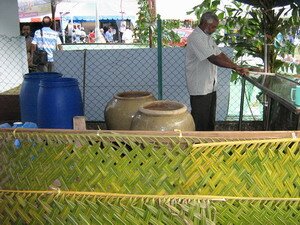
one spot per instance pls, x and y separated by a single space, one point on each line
120 110
163 116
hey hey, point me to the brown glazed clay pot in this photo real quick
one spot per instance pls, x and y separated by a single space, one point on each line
163 116
121 109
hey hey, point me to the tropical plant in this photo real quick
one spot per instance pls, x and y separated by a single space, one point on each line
145 22
257 26
146 29
247 29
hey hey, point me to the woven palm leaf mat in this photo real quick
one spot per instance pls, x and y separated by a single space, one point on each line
49 207
261 178
251 168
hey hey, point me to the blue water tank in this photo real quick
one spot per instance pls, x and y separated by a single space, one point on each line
29 92
59 100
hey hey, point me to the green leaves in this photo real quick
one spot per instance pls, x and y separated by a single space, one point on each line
251 24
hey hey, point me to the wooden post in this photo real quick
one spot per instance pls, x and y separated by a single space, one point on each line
79 123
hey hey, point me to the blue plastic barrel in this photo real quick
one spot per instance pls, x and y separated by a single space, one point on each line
29 92
59 100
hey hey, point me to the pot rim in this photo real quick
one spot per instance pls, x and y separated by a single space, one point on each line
133 95
152 108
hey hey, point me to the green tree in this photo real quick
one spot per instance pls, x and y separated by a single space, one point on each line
145 22
146 29
256 27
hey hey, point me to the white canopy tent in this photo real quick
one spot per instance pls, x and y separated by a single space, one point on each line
107 10
84 10
80 10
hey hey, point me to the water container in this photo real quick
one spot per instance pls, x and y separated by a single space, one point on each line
120 110
29 93
163 115
5 125
17 125
59 100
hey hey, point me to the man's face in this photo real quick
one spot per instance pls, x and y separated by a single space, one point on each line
211 27
25 30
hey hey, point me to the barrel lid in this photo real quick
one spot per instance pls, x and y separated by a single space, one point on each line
58 82
41 75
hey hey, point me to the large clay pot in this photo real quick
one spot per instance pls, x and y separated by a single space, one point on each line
163 116
122 108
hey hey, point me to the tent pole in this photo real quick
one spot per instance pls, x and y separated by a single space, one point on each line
97 25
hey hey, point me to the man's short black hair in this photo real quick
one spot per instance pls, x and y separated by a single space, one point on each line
208 17
46 22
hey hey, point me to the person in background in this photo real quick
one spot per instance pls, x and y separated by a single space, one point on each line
91 36
109 36
122 29
102 31
47 39
99 37
73 34
28 39
202 58
82 35
127 36
77 34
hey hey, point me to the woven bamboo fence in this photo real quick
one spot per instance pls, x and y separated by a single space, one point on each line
107 178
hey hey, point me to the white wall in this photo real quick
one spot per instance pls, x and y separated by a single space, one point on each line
9 19
13 60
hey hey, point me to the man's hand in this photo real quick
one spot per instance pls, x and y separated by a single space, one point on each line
242 71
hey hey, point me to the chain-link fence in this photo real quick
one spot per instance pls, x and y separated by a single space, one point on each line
13 62
106 69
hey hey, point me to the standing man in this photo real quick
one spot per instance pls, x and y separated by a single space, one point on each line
28 39
202 58
48 40
127 36
82 35
91 36
109 36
